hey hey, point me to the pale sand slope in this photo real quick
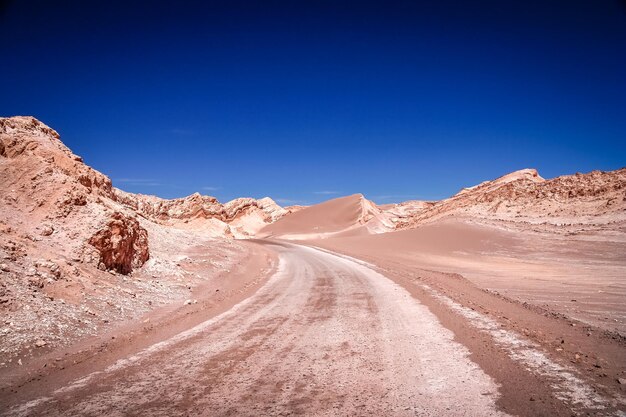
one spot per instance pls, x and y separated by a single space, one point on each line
345 215
583 279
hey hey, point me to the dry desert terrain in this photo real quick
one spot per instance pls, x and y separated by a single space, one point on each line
507 298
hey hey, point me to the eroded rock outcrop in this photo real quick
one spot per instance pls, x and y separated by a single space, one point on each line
122 244
43 183
40 148
197 206
63 226
241 217
159 209
593 199
43 178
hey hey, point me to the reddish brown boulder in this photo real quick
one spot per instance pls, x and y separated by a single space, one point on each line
122 244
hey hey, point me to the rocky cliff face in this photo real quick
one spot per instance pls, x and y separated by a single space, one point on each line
158 209
49 191
40 147
241 217
594 199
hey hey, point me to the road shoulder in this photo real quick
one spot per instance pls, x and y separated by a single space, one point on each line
60 367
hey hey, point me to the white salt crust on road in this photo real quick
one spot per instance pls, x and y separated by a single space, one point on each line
325 336
566 382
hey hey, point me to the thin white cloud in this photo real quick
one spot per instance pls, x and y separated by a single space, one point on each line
210 188
134 180
289 201
326 192
391 196
181 132
139 181
401 197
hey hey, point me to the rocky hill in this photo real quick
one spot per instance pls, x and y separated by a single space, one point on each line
48 190
593 200
240 217
77 253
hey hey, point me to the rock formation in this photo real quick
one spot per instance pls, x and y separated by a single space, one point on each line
122 244
49 191
77 253
594 199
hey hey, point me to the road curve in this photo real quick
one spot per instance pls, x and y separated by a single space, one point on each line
325 336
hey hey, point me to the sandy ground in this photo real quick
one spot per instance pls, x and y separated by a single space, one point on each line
537 355
75 307
329 217
329 335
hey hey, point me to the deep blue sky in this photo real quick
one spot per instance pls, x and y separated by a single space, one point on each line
301 100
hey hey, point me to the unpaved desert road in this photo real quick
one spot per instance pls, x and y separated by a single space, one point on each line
325 336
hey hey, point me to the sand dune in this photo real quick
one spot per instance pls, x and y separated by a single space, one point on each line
351 215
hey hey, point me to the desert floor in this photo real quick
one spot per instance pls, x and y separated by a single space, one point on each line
362 326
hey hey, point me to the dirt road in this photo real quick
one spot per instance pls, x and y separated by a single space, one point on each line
325 336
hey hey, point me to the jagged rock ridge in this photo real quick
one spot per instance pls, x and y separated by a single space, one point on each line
593 199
